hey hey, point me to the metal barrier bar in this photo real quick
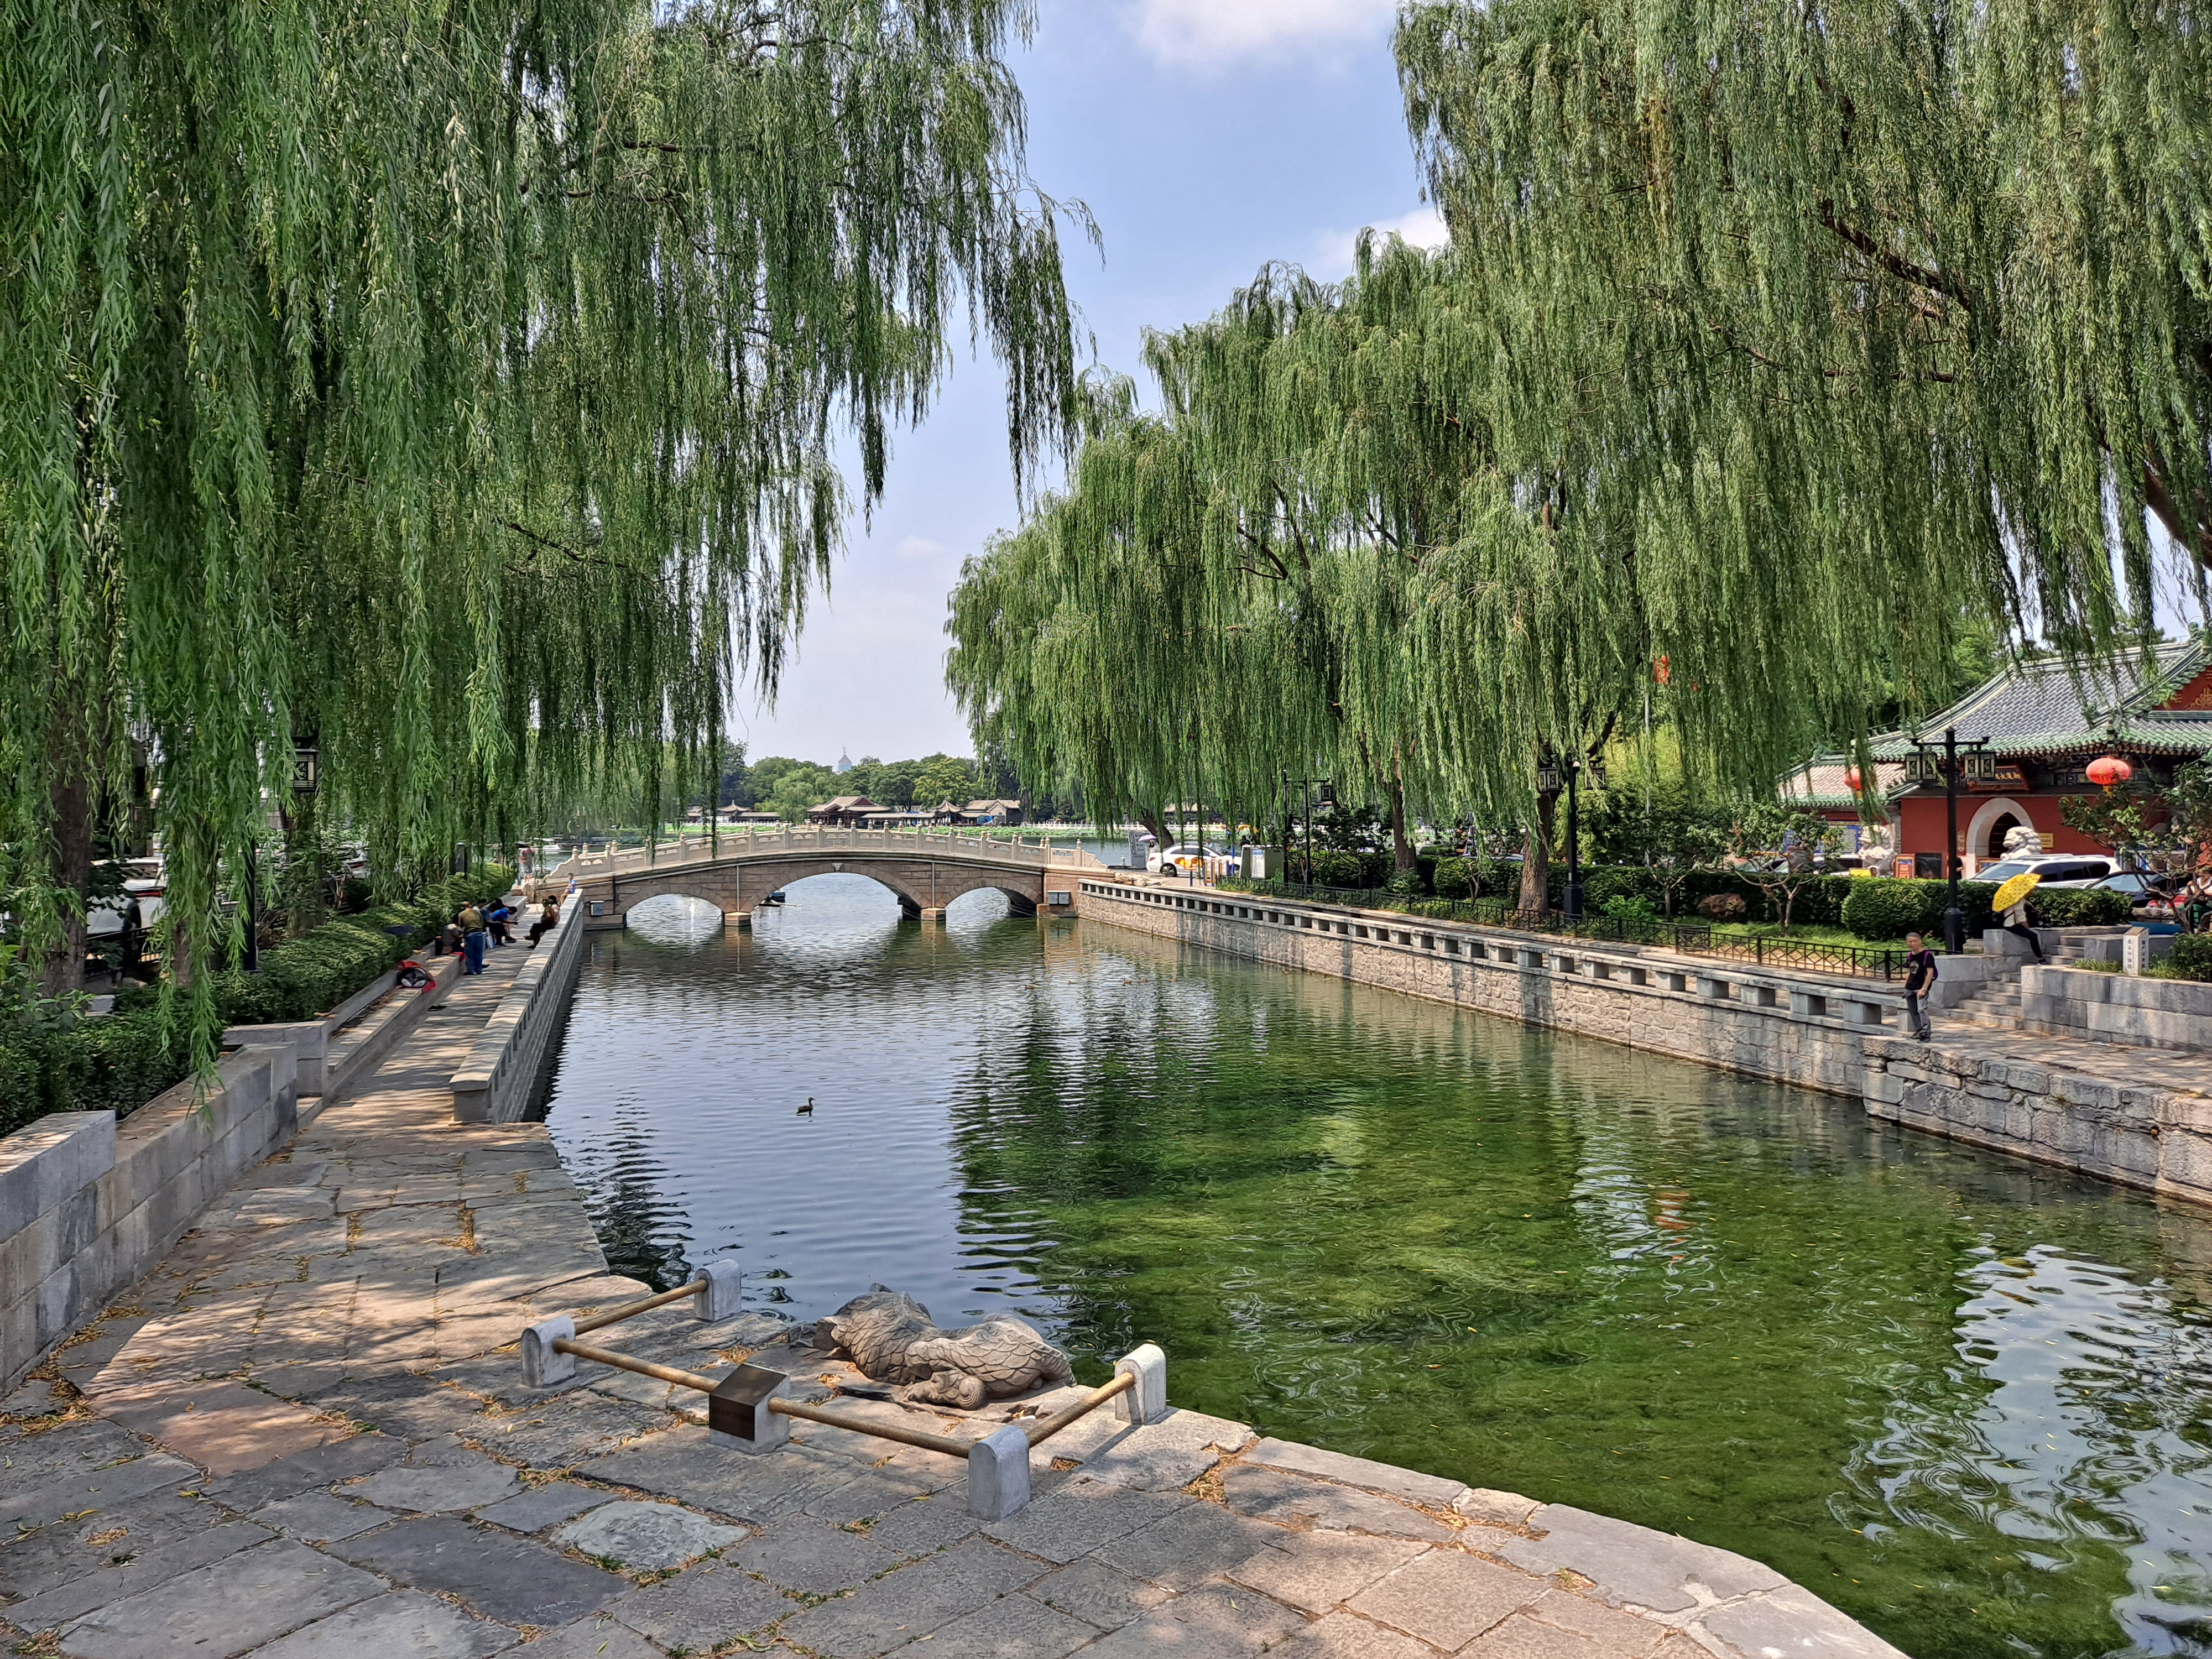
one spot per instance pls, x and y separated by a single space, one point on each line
922 1438
622 1362
1045 1427
599 1321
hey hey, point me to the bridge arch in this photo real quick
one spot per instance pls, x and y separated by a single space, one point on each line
923 885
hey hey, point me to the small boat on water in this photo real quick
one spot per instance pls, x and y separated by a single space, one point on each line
775 899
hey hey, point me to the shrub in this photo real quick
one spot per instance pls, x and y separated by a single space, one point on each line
1336 868
1454 877
2079 907
1881 908
2192 957
52 1059
1406 883
1631 907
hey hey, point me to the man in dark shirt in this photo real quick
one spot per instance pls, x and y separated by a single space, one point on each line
1920 977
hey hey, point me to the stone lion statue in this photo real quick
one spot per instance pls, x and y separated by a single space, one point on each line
890 1337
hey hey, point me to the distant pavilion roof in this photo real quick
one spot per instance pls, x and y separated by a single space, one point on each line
1819 783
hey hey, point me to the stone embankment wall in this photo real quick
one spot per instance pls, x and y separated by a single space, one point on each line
2139 1137
1836 1035
494 1084
2144 1013
88 1206
1809 1029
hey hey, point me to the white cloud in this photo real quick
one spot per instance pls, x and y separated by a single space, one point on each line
1332 249
919 547
1214 33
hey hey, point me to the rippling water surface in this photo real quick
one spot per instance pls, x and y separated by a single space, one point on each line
1963 1397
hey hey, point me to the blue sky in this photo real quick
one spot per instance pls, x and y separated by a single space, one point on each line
1207 137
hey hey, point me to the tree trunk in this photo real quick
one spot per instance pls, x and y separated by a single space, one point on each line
1401 848
1536 858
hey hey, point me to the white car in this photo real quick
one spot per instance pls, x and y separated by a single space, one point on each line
1172 859
2057 869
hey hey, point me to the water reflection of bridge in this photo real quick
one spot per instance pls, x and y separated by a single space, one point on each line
925 869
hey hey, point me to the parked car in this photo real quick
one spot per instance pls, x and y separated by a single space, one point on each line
2057 869
1182 857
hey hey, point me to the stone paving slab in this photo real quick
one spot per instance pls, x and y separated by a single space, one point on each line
646 1537
705 1609
542 1506
1385 1478
501 1576
403 1622
228 1608
291 1370
1297 1501
1446 1598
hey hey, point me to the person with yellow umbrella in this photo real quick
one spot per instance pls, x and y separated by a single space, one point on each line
2011 903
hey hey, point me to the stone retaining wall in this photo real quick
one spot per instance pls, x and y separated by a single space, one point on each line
2144 1013
2147 1138
87 1205
494 1084
1842 1036
1801 1030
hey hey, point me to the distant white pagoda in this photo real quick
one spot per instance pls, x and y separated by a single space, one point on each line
844 764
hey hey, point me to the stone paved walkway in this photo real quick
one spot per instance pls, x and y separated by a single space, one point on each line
2122 1065
304 1437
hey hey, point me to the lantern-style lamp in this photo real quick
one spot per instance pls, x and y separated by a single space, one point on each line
2109 771
306 769
1854 779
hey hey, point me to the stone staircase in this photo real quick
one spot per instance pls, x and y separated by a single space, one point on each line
1996 1002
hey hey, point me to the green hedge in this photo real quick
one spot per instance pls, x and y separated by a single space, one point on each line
313 973
2192 957
51 1061
54 1061
2080 907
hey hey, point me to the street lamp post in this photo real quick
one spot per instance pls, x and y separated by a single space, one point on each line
1955 915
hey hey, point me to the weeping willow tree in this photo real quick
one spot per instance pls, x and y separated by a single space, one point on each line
1775 345
457 388
1917 293
1340 550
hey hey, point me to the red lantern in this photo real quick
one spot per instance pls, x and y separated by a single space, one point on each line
2110 771
1854 779
1663 670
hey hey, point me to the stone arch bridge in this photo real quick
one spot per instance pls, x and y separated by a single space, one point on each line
926 870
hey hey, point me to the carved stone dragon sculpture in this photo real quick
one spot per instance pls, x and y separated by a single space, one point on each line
890 1337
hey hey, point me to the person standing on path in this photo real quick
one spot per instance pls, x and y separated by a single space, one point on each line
1921 974
472 938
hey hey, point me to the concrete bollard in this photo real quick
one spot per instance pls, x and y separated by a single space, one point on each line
719 1301
738 1414
998 1474
542 1367
1148 1402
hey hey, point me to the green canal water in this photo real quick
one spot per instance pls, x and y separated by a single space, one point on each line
1963 1397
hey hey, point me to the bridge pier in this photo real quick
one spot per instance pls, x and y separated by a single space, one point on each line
932 912
740 920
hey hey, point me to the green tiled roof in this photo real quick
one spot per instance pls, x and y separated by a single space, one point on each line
2039 707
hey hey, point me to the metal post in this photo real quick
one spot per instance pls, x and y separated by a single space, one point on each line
1954 919
1573 905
